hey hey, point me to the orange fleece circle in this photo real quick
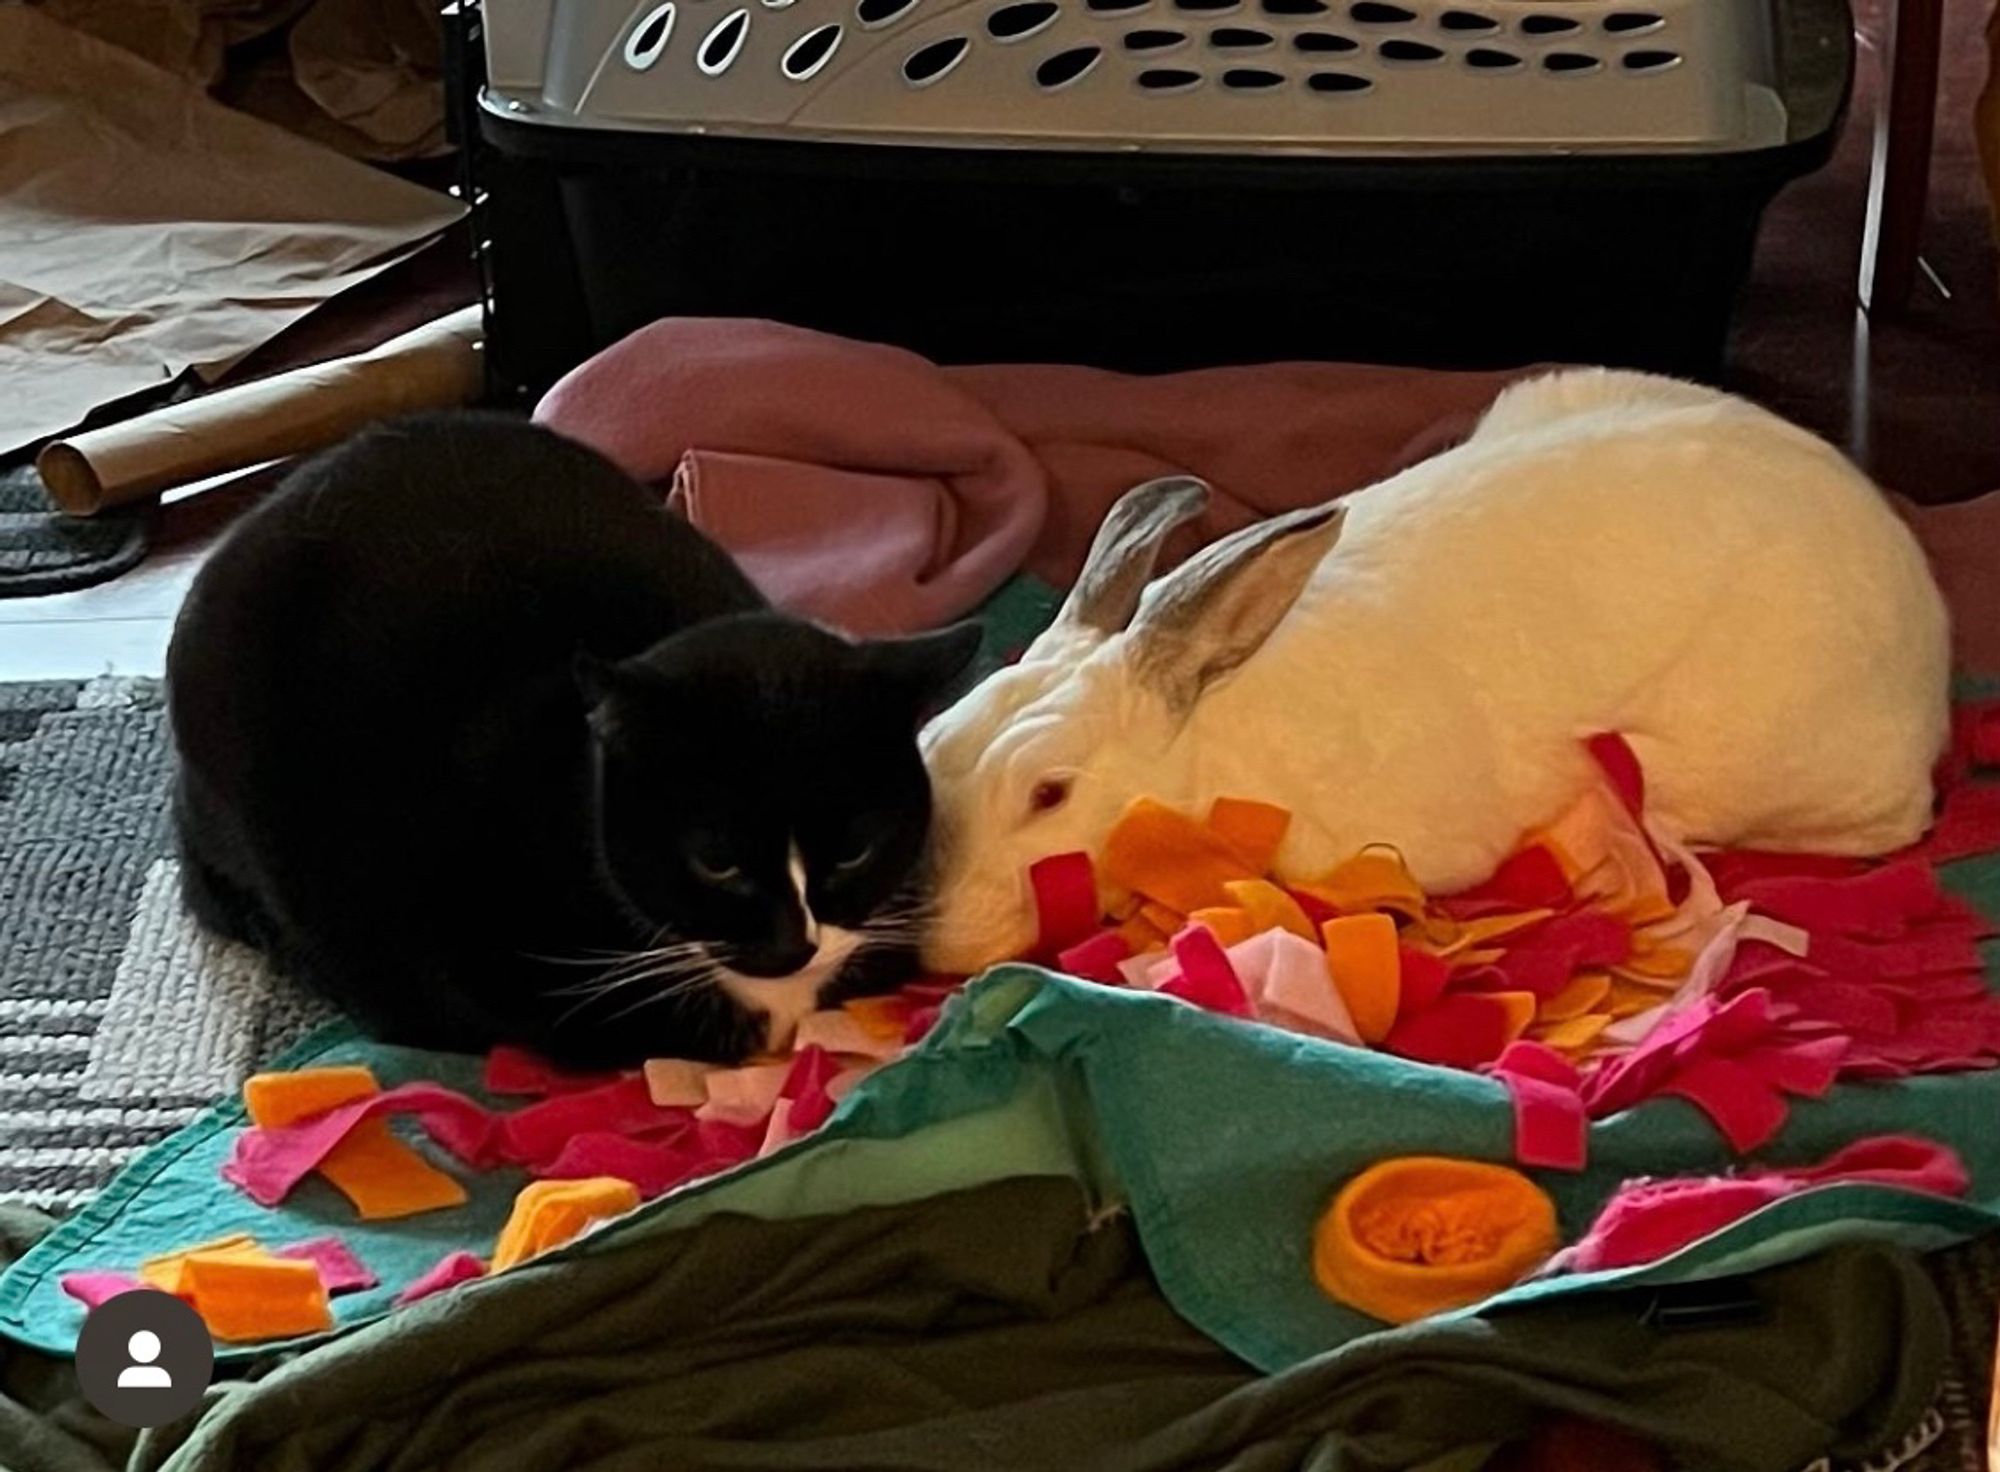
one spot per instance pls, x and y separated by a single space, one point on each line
1416 1236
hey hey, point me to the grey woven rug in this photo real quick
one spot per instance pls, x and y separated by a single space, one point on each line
118 1019
43 551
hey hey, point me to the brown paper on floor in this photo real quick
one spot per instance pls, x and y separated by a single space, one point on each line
436 366
189 38
146 230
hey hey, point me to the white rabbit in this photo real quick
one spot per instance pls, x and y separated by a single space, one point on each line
1608 551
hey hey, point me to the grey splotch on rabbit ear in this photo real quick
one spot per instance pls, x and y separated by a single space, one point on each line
1126 549
1215 610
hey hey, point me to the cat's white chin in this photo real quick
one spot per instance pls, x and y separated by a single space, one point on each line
785 1000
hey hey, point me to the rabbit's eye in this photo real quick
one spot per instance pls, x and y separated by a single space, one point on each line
1049 794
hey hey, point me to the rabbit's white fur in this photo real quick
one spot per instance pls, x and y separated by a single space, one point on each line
1608 551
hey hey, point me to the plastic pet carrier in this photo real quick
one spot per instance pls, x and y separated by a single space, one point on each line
1143 184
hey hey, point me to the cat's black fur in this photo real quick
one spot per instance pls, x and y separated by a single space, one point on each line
461 706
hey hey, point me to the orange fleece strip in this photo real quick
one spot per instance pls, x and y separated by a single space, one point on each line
1171 859
275 1100
1270 908
1367 970
256 1297
385 1178
1256 830
549 1213
164 1271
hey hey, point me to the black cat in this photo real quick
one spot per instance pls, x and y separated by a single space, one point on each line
485 745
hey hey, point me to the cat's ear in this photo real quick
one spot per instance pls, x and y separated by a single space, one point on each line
926 666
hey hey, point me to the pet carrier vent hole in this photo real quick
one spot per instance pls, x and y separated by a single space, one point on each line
1018 22
1324 43
1115 7
1572 63
1296 7
1240 38
1207 7
1375 13
779 4
1251 79
1154 40
810 52
1409 51
1488 59
649 38
873 13
1633 22
1550 25
928 64
723 43
1466 23
1338 82
1068 66
1168 79
1651 61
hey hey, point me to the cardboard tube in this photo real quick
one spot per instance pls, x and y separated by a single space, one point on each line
436 366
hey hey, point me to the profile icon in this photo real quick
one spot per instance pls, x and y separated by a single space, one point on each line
144 1358
143 1373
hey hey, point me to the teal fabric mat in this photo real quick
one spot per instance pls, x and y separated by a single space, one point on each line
1225 1139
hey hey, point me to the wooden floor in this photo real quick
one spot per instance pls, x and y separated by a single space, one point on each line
1917 401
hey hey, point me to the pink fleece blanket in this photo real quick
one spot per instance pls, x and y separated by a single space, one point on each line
868 487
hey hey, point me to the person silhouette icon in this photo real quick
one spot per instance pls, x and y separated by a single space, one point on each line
143 1374
143 1358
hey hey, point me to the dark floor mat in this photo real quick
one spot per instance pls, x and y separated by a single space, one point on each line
43 551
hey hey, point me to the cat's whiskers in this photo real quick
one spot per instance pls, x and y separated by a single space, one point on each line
693 981
681 967
629 963
674 985
899 925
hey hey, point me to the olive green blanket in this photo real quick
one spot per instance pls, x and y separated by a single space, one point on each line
1008 1326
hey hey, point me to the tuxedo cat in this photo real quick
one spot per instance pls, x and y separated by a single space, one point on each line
484 744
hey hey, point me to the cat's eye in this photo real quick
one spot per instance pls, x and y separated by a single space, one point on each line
1049 794
712 869
858 859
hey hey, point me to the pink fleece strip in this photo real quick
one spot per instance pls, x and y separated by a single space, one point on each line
1530 879
448 1272
268 1163
92 1287
624 1106
1875 905
1096 958
511 1070
1206 978
1748 1110
1968 826
652 1166
340 1271
1065 887
1461 1030
1649 1219
1551 1127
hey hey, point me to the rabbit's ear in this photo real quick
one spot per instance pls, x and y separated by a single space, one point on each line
1216 609
1127 547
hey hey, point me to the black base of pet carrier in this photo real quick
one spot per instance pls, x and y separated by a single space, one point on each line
1142 184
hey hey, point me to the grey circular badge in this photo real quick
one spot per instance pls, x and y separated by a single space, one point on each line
144 1358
